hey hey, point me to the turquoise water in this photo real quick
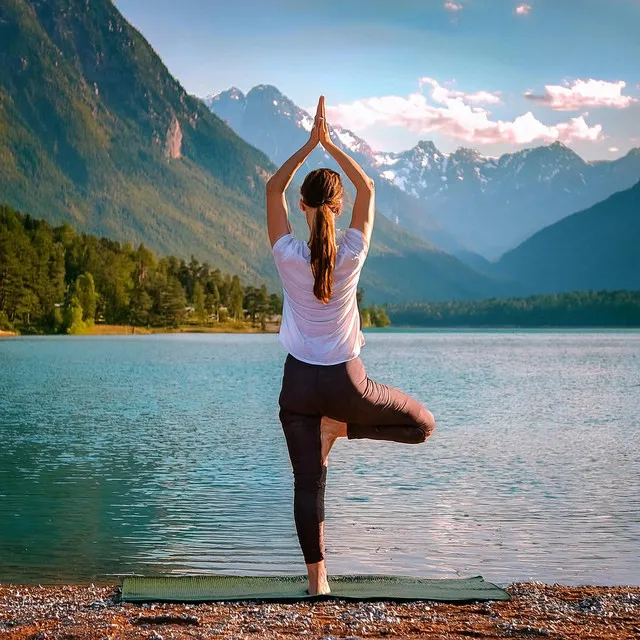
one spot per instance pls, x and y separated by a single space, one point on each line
163 454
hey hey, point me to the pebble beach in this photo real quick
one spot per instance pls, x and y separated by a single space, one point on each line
536 610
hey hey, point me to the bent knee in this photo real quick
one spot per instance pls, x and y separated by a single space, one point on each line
427 423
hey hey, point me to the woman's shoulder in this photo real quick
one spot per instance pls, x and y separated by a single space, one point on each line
354 240
288 246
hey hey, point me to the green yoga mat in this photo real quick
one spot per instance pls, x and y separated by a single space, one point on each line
293 588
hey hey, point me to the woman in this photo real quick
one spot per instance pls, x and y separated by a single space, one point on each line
326 393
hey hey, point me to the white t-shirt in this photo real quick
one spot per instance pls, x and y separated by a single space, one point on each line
312 331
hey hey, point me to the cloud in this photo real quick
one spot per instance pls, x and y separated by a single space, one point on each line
452 6
442 94
613 149
523 9
583 93
452 116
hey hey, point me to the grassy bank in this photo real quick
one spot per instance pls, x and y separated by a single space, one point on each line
126 329
222 327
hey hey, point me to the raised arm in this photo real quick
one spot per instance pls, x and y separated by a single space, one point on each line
277 213
364 206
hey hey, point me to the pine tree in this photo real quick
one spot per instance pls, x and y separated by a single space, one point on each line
236 299
140 307
86 293
175 302
198 301
262 305
212 300
250 302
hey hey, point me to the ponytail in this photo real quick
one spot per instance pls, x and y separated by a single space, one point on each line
323 252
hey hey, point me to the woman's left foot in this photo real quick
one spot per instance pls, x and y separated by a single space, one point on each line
330 431
322 591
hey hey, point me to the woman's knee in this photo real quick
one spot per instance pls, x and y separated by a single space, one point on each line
426 422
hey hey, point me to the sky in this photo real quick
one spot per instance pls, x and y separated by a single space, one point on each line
493 75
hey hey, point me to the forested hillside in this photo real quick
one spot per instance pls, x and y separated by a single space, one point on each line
94 131
592 249
55 280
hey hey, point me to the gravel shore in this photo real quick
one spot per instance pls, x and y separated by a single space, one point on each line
537 610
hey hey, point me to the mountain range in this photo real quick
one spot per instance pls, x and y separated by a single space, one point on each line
96 132
465 202
490 205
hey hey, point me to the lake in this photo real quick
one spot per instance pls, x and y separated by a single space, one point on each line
163 454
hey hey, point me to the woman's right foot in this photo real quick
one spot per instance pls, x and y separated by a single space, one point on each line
318 583
330 431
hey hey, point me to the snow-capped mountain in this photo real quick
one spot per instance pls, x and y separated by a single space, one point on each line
464 202
493 204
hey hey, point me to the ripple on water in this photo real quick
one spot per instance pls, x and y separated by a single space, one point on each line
164 454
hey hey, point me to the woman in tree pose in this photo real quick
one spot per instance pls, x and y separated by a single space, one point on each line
326 393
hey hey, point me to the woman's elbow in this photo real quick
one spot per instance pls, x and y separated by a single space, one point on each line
368 185
271 186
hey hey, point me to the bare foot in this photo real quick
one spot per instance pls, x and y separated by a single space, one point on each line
330 431
324 589
318 583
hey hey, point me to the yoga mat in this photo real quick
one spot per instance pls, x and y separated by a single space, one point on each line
293 588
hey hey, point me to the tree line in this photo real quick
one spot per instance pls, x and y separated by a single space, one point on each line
574 309
56 280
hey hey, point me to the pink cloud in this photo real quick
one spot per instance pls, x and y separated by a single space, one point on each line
523 9
584 93
613 149
451 116
442 94
452 6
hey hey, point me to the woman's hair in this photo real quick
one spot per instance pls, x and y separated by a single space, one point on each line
322 188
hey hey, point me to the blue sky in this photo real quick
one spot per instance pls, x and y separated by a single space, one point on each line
460 73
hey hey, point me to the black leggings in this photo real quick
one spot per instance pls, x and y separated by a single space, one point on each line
343 392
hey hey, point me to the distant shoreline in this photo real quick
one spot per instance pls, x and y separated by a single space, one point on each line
273 328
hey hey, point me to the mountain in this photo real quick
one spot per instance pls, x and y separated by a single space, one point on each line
596 249
94 131
491 204
273 123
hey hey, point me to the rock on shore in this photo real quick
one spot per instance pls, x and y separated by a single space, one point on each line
536 610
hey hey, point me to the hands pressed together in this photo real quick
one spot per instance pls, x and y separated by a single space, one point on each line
320 130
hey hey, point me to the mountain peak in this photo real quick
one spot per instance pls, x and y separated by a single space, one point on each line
267 90
232 93
467 152
427 146
268 94
560 147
